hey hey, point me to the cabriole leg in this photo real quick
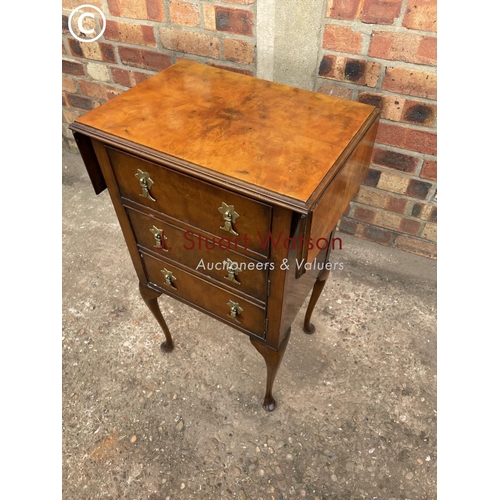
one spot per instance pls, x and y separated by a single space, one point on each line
151 298
317 289
273 360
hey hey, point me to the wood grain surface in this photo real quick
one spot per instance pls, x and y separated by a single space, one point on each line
278 138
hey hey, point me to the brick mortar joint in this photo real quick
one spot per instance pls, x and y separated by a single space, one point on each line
389 93
117 43
399 196
166 3
408 126
65 44
169 25
368 28
119 64
384 62
421 231
156 34
400 18
380 79
375 90
365 44
406 96
166 10
349 85
206 31
224 62
124 67
128 20
159 46
387 170
418 238
403 215
404 151
162 50
118 86
396 233
237 6
420 163
320 81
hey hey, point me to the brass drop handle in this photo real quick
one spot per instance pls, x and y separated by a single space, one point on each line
169 278
232 271
229 215
235 309
160 238
146 182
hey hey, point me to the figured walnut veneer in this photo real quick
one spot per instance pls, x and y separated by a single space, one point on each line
208 165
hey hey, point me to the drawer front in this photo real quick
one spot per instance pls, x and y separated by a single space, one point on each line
208 297
199 254
193 201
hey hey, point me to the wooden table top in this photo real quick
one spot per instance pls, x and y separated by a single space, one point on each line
280 139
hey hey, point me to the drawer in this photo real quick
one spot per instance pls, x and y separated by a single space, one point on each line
193 201
200 254
210 298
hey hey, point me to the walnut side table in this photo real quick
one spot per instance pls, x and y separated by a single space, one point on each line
228 189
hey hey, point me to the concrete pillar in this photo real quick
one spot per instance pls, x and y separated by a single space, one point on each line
289 34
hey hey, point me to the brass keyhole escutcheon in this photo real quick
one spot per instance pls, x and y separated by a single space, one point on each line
232 271
169 278
235 309
146 182
160 238
229 215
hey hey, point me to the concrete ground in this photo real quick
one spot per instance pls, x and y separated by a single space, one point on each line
356 415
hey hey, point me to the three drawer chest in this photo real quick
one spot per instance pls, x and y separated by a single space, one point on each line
228 190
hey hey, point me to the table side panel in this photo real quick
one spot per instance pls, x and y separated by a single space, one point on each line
339 193
90 161
114 193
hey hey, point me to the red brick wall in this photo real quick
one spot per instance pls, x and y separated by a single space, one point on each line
143 37
383 52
